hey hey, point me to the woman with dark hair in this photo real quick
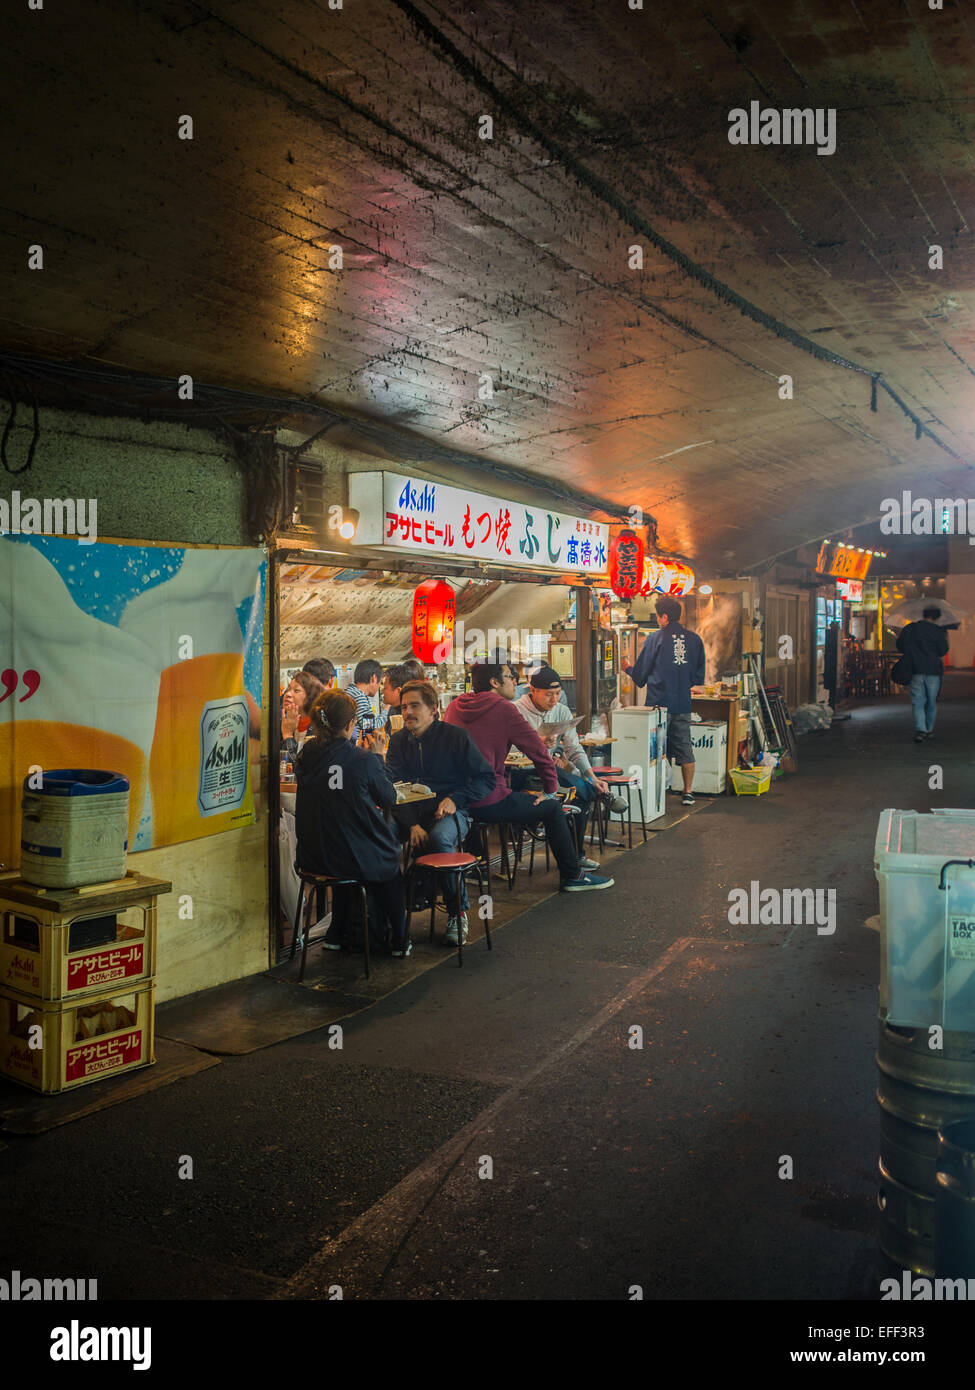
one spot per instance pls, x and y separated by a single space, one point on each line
343 796
296 703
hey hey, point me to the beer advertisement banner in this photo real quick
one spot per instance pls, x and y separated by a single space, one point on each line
143 660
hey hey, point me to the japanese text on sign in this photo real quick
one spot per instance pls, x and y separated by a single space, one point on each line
409 514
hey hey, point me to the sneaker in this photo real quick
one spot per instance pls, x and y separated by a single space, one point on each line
400 951
919 737
618 804
585 882
588 865
452 925
929 734
332 945
687 800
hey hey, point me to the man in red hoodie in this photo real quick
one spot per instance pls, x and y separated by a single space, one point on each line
494 724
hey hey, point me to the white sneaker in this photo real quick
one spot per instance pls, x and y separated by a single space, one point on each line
452 925
590 865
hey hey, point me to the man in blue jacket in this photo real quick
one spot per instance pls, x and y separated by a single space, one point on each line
447 760
672 660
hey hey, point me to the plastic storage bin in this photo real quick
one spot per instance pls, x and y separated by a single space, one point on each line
927 935
751 781
75 828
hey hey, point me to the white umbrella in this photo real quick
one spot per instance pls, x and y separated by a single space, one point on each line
912 610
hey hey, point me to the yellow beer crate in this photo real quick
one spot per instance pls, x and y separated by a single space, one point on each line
54 1047
59 944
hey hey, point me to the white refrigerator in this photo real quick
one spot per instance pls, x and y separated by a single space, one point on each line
640 732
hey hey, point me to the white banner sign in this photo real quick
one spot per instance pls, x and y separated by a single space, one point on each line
422 518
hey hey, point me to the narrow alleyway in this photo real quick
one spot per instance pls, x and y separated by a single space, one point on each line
489 1133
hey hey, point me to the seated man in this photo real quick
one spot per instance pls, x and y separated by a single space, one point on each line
445 759
394 678
495 725
543 705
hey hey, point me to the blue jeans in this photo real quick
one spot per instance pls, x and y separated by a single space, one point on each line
924 697
445 837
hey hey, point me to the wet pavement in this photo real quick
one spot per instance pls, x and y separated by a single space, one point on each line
496 1133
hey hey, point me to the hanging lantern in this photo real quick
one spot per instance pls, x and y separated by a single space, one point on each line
433 621
674 578
626 556
651 573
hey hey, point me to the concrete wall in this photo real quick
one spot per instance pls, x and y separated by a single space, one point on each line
181 486
960 592
155 482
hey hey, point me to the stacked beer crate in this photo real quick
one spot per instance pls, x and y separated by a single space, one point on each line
77 980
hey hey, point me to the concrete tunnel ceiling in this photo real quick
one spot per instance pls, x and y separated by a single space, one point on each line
510 256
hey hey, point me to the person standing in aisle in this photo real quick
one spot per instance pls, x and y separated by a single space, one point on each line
925 643
672 660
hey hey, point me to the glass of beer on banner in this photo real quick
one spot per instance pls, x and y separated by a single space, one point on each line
199 767
76 692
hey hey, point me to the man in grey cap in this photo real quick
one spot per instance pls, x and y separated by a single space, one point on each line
543 704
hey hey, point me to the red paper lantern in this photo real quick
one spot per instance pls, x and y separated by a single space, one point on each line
433 621
626 564
673 577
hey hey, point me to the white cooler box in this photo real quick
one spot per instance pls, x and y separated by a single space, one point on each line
927 937
709 739
640 732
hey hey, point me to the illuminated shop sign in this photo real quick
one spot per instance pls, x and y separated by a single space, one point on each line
422 518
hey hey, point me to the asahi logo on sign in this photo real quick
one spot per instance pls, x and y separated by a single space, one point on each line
223 755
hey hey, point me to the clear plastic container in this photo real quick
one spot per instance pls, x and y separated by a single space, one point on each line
927 933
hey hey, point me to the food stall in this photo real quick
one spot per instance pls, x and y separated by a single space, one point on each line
513 572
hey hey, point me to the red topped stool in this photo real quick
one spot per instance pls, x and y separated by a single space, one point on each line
458 862
630 783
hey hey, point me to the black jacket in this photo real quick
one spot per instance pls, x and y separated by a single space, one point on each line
925 643
340 828
447 759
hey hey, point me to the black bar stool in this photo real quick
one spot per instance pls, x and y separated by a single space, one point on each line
573 815
631 784
457 862
309 884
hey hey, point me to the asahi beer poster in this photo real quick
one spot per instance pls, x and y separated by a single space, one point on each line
142 660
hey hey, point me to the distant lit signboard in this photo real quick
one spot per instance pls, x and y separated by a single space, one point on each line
850 564
851 589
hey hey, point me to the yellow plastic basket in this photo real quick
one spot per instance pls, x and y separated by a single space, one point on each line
751 781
